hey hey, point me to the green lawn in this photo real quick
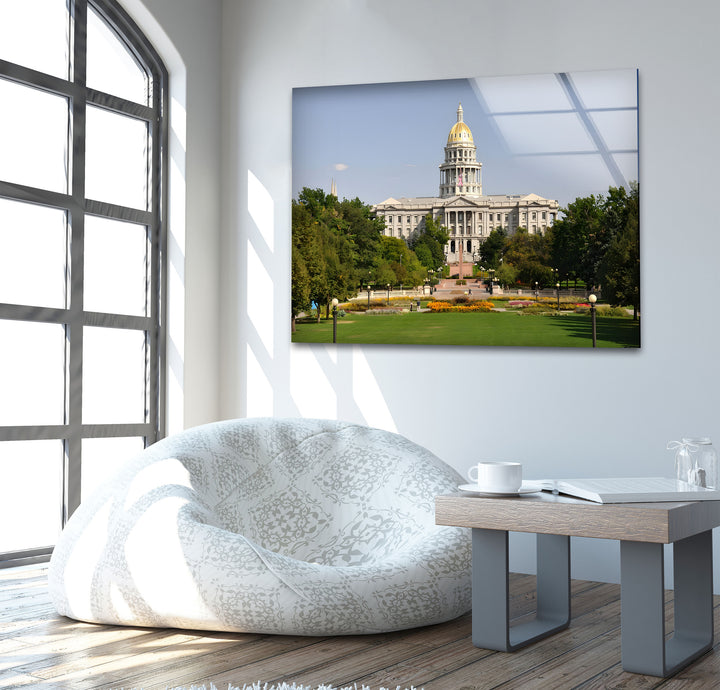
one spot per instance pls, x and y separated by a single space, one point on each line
493 328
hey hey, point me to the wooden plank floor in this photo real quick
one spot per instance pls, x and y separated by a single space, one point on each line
39 649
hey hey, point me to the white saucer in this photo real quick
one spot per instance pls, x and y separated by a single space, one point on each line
476 490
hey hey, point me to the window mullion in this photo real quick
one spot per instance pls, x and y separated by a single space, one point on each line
74 332
159 258
120 105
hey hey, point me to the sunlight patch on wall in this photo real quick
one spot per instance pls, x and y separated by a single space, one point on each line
176 270
368 396
260 206
310 386
259 389
178 119
260 298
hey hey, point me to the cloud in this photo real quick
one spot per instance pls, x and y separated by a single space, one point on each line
340 166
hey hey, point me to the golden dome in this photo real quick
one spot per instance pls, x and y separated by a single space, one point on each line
460 132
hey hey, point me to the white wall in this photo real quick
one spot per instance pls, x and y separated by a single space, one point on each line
186 35
560 412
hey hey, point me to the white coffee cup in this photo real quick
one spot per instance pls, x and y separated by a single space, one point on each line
497 476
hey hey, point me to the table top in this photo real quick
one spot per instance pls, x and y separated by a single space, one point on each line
546 513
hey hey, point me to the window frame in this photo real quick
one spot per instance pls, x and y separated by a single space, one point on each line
73 317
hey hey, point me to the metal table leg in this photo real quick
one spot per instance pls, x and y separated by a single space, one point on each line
491 627
644 648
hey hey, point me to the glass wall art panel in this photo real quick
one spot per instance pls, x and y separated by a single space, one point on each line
495 211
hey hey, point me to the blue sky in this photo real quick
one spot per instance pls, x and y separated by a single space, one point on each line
559 136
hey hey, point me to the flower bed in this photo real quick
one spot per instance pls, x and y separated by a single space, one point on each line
439 307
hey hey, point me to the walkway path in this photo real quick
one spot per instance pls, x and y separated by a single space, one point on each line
448 287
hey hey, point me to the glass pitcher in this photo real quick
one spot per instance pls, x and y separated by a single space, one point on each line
702 469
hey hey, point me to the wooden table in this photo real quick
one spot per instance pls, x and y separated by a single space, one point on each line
641 528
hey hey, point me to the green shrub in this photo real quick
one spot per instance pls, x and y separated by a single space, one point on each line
604 310
539 308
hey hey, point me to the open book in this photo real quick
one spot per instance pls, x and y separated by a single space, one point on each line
628 489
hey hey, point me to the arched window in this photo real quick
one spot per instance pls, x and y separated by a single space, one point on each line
82 251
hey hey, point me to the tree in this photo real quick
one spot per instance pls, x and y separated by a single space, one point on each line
403 261
300 296
621 266
337 280
507 274
579 240
425 256
320 240
316 201
340 246
529 255
598 241
307 258
385 275
429 243
364 231
493 248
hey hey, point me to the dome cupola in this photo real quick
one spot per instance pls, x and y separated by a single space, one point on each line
460 174
460 133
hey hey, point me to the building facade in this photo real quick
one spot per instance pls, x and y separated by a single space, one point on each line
461 207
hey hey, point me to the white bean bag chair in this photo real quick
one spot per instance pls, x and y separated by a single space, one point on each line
294 526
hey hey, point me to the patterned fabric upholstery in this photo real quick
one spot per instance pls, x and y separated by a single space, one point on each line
290 526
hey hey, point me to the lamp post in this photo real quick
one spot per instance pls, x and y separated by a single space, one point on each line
388 291
592 299
368 291
557 288
536 291
492 278
334 306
